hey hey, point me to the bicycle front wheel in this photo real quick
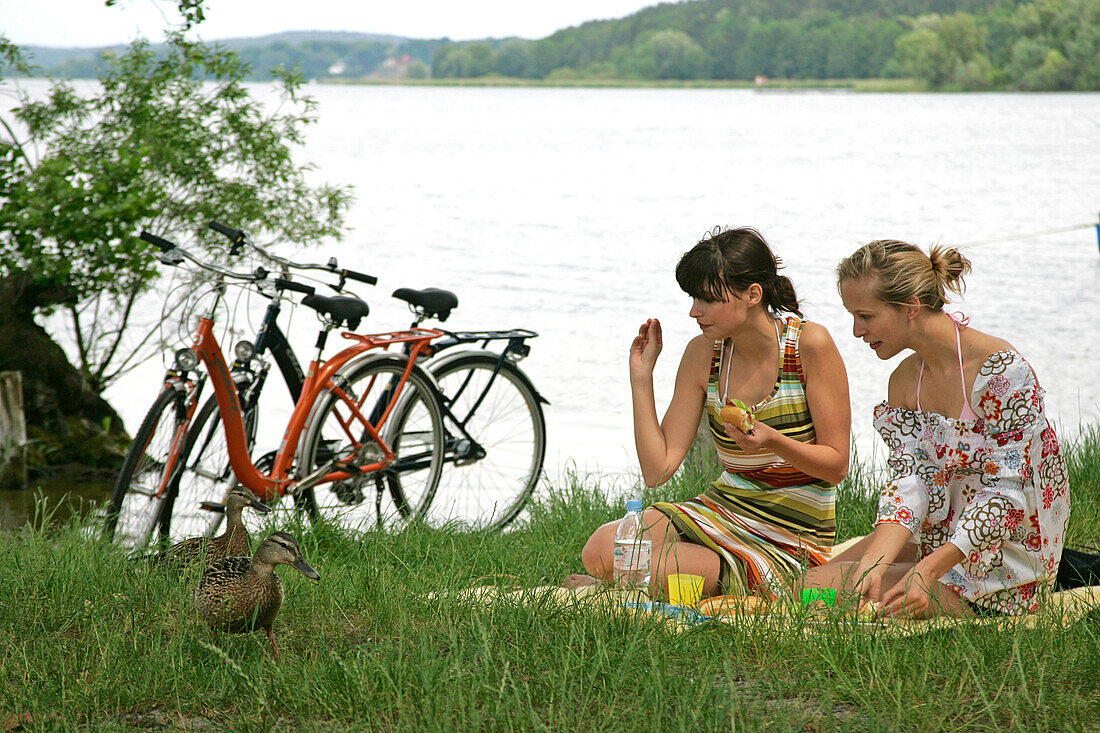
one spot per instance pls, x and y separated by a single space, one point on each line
205 477
151 465
492 468
365 398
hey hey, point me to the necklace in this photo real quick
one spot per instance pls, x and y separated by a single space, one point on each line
720 399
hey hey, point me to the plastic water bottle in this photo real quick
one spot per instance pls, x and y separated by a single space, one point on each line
632 549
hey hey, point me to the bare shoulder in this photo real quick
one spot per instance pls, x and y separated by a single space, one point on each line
903 382
983 345
695 363
699 351
815 340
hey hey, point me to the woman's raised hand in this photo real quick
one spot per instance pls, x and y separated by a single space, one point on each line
646 348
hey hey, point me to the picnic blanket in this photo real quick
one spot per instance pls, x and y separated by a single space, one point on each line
1061 609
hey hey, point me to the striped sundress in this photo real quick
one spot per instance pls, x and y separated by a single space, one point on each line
767 520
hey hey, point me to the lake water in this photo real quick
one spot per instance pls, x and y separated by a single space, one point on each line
565 211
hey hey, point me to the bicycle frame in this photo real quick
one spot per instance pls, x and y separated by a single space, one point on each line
272 339
318 378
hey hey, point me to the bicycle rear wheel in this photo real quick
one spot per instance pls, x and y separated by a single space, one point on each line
338 432
488 480
151 465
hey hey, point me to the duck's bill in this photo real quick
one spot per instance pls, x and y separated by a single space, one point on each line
306 569
259 505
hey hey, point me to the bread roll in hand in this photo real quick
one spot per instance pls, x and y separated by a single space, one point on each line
737 413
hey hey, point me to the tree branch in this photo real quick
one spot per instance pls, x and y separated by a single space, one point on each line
122 321
81 348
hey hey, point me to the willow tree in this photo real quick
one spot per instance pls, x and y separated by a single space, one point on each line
168 140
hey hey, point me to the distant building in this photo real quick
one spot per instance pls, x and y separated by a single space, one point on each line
396 66
337 69
761 80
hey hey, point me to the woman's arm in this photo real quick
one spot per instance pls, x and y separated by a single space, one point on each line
1012 404
914 595
887 542
830 408
663 445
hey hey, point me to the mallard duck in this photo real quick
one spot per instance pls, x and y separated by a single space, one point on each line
233 542
238 594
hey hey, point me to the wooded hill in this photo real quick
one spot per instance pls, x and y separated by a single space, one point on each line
952 44
962 44
316 54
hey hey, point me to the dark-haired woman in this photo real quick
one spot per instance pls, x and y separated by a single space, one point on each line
770 514
973 516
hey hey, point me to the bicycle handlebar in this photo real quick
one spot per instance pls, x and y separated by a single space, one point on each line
163 244
236 236
353 275
240 236
179 254
229 232
283 284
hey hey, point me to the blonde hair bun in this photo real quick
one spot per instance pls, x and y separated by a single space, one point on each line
904 271
950 267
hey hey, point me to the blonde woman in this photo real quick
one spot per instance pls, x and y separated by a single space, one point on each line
973 516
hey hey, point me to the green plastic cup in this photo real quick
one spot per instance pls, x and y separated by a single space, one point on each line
813 595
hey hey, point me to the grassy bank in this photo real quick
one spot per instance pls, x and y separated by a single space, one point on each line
87 642
852 85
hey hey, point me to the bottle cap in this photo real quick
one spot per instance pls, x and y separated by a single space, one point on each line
634 505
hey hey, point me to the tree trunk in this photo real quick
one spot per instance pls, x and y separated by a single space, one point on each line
13 432
70 426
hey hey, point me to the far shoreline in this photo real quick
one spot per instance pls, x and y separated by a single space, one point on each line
836 85
856 86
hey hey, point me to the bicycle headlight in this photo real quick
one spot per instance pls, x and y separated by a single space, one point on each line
186 359
244 350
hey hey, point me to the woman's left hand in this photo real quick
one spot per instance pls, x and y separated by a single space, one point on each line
911 597
761 436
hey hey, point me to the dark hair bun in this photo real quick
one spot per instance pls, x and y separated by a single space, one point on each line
783 296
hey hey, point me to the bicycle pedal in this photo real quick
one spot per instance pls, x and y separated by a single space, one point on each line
348 492
212 507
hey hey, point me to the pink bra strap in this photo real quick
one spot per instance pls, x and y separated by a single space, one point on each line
920 378
967 411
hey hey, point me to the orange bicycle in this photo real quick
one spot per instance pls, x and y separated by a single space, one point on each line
365 411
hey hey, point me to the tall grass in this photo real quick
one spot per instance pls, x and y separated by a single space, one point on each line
89 641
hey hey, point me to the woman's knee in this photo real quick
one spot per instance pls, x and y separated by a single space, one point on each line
659 526
833 574
597 551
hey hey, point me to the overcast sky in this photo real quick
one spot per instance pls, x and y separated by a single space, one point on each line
91 23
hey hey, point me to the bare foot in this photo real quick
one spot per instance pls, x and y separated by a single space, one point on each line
580 581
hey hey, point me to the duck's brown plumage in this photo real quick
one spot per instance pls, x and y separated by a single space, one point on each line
233 542
239 594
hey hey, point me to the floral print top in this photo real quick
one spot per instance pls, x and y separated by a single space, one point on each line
995 487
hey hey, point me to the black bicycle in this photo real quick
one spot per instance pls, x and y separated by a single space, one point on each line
494 426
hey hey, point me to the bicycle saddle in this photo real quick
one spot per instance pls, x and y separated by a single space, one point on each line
339 308
436 303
